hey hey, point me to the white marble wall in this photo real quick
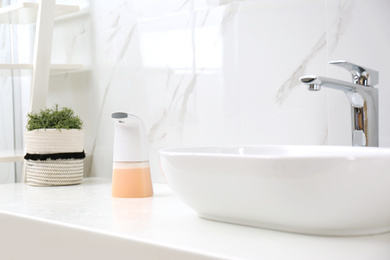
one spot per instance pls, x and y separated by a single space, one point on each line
211 72
218 72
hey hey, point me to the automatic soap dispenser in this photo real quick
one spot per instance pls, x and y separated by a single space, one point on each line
131 173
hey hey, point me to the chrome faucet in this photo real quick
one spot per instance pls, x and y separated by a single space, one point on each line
362 96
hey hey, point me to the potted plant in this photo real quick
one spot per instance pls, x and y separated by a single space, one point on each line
54 143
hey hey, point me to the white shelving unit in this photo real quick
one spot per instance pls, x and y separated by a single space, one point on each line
11 156
42 14
26 12
53 67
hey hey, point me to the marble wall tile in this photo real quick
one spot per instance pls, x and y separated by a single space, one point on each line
118 80
217 72
274 107
202 73
147 10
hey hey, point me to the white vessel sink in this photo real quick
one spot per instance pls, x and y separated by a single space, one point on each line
322 190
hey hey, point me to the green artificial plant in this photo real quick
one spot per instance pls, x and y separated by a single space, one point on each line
54 118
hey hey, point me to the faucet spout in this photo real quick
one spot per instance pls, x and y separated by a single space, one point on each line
312 82
329 83
364 107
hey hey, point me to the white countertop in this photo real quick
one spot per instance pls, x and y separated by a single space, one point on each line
84 222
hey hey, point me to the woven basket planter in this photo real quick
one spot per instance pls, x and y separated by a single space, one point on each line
54 157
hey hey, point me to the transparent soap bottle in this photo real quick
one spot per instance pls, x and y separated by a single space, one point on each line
131 172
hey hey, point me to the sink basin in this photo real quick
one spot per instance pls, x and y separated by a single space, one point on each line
321 190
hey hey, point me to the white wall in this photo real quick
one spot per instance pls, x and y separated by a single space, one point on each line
218 72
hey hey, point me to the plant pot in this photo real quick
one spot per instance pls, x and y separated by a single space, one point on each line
54 157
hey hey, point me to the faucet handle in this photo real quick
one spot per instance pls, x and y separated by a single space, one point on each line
360 75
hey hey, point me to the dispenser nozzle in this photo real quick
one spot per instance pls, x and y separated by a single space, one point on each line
130 142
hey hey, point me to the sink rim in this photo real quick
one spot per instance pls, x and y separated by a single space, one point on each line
277 151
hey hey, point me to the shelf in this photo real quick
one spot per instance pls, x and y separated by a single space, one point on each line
11 156
26 12
65 67
54 67
82 12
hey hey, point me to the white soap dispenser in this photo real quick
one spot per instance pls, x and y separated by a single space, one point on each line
131 172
